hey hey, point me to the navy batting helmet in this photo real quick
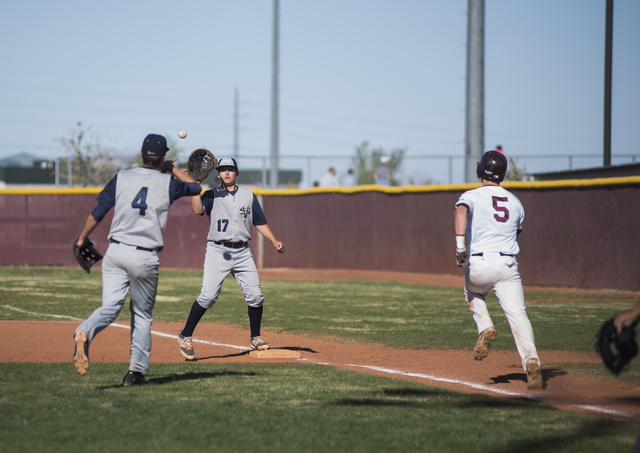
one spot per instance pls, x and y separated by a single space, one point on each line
492 166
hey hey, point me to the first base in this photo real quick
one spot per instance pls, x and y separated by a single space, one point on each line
275 354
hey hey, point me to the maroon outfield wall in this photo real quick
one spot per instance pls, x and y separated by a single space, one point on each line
575 233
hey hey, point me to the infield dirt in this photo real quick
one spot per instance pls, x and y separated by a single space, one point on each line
500 374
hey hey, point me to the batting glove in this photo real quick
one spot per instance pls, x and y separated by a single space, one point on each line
462 257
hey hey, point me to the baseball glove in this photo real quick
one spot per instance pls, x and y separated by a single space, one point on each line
616 350
201 163
86 255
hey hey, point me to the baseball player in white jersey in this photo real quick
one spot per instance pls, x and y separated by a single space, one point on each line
233 211
141 197
490 218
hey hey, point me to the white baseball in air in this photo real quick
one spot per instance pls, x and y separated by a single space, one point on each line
182 133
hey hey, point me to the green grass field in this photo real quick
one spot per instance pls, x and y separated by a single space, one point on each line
296 407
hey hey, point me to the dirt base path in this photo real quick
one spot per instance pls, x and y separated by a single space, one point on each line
500 374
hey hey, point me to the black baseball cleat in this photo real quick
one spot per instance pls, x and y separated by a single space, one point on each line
133 378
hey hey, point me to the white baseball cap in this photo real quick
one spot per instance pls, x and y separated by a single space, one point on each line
228 162
385 159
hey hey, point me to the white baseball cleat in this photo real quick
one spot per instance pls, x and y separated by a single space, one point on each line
81 353
534 375
482 345
259 343
186 348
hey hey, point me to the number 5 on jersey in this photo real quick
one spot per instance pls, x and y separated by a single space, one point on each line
501 209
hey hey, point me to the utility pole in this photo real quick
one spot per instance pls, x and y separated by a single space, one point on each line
474 140
274 101
235 124
608 64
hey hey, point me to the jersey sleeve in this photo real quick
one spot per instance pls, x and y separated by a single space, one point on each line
106 200
466 199
207 201
258 214
178 189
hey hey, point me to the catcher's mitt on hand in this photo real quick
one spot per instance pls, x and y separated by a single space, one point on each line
86 255
201 163
616 350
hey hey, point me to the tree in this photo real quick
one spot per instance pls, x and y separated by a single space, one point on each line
515 172
365 162
91 164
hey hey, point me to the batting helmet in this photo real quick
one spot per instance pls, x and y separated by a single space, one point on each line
492 166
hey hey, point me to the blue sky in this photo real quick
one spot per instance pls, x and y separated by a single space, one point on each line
390 73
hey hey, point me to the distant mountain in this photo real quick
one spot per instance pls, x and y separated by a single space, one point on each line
19 160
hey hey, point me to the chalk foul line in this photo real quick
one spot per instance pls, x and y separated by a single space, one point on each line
389 371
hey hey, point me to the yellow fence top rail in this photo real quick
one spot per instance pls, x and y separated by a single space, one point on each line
524 185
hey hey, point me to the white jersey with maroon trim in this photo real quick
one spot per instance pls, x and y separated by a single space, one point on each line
495 217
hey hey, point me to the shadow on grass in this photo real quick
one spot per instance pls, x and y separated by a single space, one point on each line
591 430
547 375
175 377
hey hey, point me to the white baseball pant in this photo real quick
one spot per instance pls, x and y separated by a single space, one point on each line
493 270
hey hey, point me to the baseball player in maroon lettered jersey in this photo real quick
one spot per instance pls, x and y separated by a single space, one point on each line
490 219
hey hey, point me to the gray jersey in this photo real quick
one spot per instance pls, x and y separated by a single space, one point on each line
231 217
141 208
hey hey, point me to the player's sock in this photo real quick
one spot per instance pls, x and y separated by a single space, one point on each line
255 318
194 318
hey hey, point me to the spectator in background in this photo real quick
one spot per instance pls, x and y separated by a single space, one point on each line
316 183
349 180
382 173
330 179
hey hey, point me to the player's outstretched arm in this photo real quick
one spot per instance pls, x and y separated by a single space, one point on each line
168 167
266 232
627 317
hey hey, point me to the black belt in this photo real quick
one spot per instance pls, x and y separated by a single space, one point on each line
137 248
482 253
233 245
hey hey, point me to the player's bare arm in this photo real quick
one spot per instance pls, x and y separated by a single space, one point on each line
196 205
627 317
89 225
460 228
266 232
460 220
176 172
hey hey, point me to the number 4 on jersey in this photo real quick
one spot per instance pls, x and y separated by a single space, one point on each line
140 201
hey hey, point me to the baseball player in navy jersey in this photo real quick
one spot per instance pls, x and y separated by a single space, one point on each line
141 198
490 219
232 211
